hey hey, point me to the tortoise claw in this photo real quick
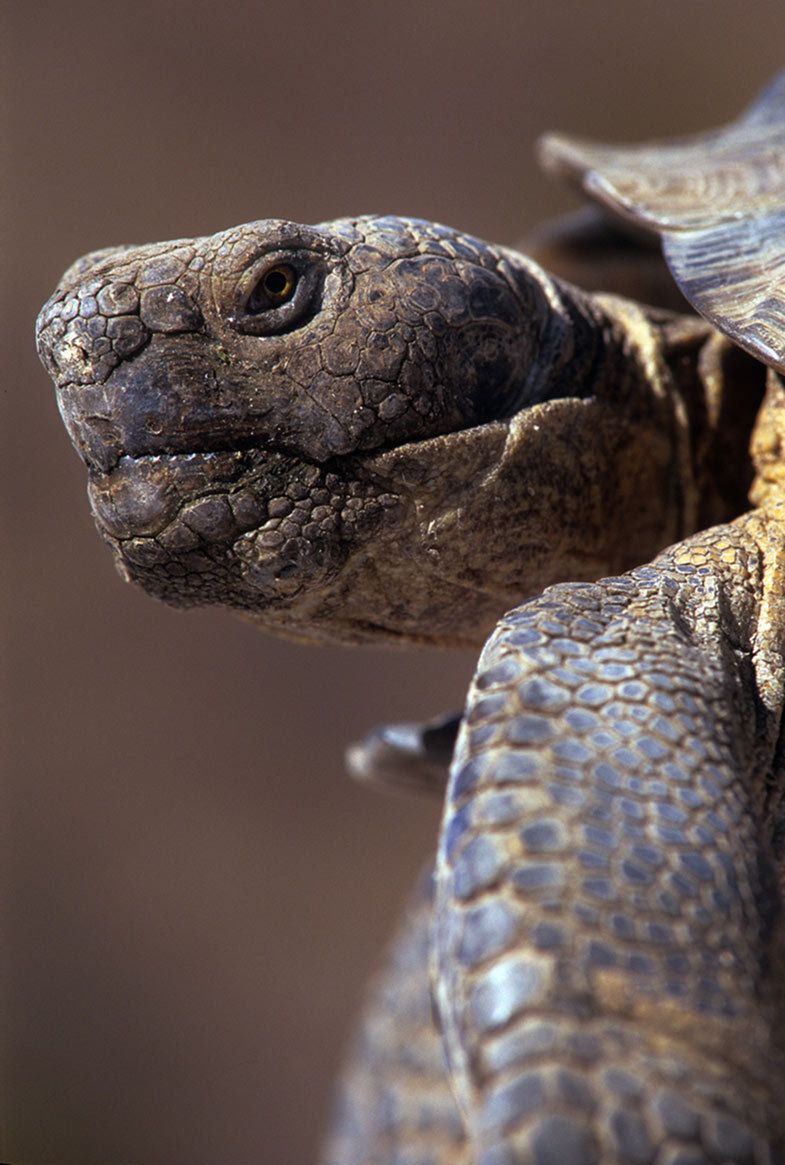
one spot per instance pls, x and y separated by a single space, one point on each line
412 757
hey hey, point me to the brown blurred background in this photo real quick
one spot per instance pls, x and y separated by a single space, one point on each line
196 892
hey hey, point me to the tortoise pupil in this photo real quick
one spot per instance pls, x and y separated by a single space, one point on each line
278 285
277 282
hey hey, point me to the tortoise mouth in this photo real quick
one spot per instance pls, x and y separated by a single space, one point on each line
248 528
145 493
214 496
110 427
241 485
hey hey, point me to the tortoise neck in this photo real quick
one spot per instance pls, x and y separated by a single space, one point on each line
721 389
577 345
707 392
768 446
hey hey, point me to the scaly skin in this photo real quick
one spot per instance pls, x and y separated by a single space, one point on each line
425 432
396 1101
608 926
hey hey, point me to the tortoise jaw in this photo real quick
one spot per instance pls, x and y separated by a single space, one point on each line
141 496
254 530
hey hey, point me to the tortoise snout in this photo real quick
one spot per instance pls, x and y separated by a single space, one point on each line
85 332
102 316
109 304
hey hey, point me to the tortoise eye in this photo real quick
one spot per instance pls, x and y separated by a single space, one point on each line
279 292
276 286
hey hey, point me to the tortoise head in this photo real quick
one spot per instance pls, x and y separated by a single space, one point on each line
371 428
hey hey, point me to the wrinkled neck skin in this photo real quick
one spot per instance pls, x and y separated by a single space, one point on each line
571 489
768 449
427 431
